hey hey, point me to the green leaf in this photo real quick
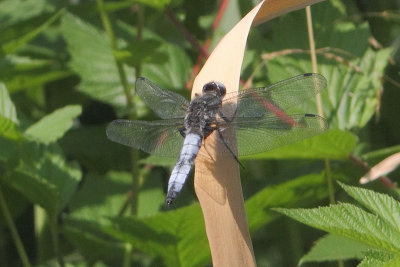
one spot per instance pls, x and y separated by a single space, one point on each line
300 191
8 116
115 5
356 94
7 108
151 196
40 192
333 144
89 145
332 247
92 242
159 161
353 70
53 126
380 259
8 149
101 197
381 204
51 182
351 222
174 72
168 235
15 11
381 153
21 72
14 44
110 193
8 129
92 59
140 52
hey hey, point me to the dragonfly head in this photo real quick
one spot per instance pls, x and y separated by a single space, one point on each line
215 87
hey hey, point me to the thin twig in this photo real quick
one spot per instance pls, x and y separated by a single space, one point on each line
318 99
200 58
121 72
186 33
13 231
53 226
124 82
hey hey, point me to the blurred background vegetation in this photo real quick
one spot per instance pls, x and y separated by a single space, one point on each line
69 196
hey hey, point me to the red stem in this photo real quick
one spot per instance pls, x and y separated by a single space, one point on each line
383 179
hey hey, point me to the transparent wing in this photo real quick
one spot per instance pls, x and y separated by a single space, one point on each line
164 103
160 138
256 135
273 99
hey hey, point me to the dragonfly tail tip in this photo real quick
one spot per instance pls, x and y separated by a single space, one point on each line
168 202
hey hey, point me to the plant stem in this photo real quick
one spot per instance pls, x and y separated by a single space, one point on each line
123 78
319 106
13 230
318 99
127 254
108 28
56 243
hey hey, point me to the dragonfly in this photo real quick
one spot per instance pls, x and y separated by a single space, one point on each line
259 117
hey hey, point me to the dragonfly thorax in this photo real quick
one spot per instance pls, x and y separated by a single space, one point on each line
200 115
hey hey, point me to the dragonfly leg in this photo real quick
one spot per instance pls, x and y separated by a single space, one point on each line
225 118
204 143
182 131
229 149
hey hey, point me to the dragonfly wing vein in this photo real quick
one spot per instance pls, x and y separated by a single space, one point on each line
161 138
274 99
257 135
164 103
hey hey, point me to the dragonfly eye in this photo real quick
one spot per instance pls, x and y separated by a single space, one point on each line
216 87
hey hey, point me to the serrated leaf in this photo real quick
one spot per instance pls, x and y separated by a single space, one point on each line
332 247
333 144
53 126
351 222
377 258
302 190
381 204
92 59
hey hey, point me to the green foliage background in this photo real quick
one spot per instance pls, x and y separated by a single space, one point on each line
69 196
